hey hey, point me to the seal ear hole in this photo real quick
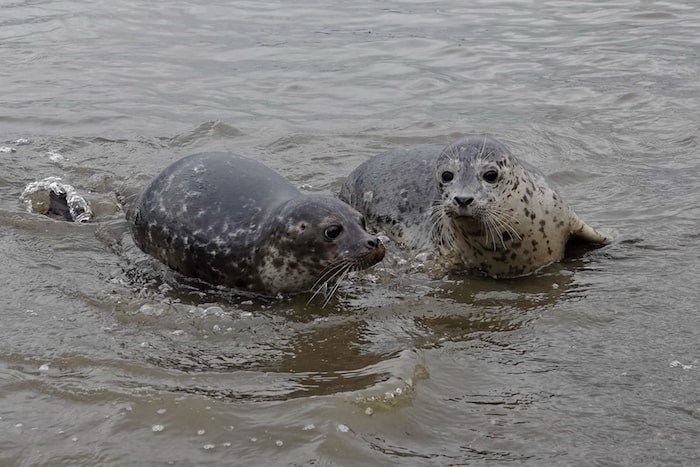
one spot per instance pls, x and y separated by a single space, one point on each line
302 226
333 231
490 176
447 176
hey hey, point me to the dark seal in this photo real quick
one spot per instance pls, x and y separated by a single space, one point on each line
472 203
229 220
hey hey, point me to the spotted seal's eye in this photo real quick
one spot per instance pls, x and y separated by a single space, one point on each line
333 231
447 176
490 176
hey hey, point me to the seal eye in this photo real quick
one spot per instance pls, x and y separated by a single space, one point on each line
490 176
447 176
333 231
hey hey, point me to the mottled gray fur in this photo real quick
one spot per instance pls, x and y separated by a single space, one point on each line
230 220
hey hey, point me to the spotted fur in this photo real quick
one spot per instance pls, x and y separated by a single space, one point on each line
472 202
229 220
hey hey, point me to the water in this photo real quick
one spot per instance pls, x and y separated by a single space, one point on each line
105 359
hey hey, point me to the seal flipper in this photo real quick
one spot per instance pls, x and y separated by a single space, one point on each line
583 232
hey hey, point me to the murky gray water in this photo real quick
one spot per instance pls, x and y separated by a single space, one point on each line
106 359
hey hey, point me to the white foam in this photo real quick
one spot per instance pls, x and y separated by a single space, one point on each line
36 194
55 156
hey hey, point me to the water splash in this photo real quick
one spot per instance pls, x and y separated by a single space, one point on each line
55 199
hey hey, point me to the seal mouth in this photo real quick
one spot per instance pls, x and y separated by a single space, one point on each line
470 222
471 225
495 226
462 215
371 257
466 214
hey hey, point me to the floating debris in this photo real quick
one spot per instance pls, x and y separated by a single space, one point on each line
55 156
677 364
7 149
57 200
343 428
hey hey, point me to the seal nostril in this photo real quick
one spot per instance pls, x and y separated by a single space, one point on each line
463 201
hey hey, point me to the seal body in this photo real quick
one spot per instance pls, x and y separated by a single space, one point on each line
472 202
229 220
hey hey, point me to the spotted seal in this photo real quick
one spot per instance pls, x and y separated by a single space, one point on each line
472 202
229 220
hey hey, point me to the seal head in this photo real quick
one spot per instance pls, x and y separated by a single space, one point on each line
312 240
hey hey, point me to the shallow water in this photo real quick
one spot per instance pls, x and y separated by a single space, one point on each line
107 359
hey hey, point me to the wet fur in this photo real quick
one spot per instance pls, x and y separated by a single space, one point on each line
229 220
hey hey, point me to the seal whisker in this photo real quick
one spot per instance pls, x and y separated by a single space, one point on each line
498 222
340 279
434 217
486 222
440 227
492 229
480 156
321 287
331 272
504 218
496 231
450 152
318 290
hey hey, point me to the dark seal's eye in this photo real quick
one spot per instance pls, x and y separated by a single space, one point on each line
490 176
333 231
447 176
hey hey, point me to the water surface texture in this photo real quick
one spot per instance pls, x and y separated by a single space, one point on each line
108 359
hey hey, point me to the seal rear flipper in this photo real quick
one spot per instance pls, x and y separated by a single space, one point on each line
586 233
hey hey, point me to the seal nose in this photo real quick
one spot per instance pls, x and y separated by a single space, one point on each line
463 201
375 251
